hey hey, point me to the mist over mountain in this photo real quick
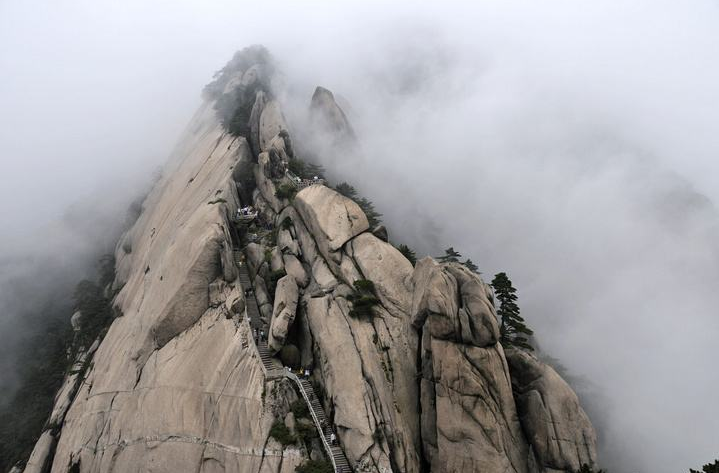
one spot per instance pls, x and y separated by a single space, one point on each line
570 146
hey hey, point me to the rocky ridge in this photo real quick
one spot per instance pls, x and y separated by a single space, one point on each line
420 384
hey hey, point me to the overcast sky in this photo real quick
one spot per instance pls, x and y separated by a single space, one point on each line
572 144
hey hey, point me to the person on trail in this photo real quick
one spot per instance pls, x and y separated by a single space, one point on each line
307 373
332 438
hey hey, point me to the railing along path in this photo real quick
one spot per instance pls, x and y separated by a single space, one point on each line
273 370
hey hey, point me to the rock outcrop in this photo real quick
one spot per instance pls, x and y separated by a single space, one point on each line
556 426
417 382
283 313
469 420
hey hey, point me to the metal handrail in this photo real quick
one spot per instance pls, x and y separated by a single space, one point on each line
308 401
288 374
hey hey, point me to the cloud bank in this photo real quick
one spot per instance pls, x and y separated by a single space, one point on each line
571 145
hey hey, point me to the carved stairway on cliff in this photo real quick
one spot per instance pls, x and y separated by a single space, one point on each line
273 370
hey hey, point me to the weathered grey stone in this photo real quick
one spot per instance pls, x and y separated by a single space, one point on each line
255 114
294 268
276 263
556 426
283 312
235 302
40 456
255 258
76 321
323 275
328 117
469 420
290 423
272 122
385 266
286 243
332 218
264 183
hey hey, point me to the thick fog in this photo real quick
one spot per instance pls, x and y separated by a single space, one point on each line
570 144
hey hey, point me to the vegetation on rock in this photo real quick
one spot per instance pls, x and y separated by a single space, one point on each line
315 466
708 468
373 217
286 191
305 170
282 434
363 299
48 357
408 253
513 329
299 409
453 256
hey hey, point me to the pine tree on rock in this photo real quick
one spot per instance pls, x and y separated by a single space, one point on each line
471 266
513 329
708 468
450 256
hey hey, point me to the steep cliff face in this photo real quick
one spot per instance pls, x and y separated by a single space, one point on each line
417 381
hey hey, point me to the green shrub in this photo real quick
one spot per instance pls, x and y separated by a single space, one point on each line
408 253
363 299
282 434
364 286
286 191
315 466
306 432
299 409
305 170
286 223
708 468
346 190
373 217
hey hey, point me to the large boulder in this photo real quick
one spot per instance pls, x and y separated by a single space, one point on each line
387 268
283 312
295 269
469 419
332 218
556 426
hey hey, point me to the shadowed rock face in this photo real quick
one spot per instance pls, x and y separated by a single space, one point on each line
422 384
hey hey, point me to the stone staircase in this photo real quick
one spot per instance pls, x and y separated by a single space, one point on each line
339 459
274 369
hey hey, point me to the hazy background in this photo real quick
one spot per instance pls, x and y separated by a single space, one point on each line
571 144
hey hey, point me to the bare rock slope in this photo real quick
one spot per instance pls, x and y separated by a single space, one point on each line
417 383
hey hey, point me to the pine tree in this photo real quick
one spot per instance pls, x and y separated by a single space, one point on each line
513 330
471 266
450 256
408 253
708 468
